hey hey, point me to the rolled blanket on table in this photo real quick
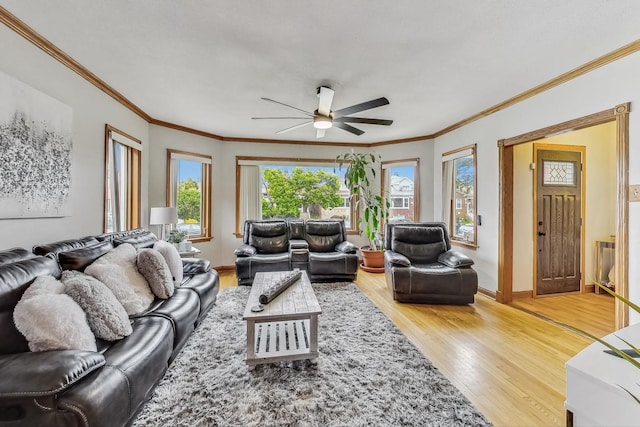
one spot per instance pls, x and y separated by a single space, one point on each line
276 288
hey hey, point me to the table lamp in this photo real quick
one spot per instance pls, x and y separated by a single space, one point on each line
163 216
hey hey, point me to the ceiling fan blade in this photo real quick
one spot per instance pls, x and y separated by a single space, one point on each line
320 133
287 105
374 103
293 127
364 120
326 98
288 118
348 128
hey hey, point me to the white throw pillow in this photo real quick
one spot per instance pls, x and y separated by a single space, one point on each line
51 320
172 256
117 269
152 265
106 316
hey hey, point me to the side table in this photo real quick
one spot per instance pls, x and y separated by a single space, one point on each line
193 253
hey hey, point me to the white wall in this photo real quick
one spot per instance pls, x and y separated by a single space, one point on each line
598 90
600 203
220 249
92 109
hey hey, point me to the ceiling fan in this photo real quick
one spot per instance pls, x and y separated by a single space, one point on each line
324 118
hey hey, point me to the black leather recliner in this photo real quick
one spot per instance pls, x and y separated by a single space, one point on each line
318 246
420 266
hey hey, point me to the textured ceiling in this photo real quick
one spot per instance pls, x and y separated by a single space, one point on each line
206 64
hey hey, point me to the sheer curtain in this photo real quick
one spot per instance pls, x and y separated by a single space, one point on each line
447 191
250 193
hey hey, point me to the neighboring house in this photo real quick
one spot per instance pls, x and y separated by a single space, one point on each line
401 198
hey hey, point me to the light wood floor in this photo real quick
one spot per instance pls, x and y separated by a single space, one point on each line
591 312
508 363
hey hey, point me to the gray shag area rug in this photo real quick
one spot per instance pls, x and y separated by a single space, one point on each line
368 374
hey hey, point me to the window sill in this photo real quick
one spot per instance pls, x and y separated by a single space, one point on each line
468 245
200 239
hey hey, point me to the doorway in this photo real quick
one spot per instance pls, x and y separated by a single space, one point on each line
618 115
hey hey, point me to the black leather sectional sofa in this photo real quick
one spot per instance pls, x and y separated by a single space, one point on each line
83 388
318 246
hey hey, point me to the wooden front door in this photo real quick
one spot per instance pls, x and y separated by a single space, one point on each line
558 221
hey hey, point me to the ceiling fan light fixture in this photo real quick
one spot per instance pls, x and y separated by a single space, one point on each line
321 122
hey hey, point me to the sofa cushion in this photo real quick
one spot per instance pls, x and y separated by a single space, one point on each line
269 237
106 316
206 286
419 244
182 309
64 245
51 320
10 256
152 265
323 236
117 269
172 256
138 241
79 259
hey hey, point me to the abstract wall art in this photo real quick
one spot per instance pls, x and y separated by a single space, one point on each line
35 152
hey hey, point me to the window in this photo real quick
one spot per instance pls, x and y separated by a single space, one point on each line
273 188
189 189
458 191
400 183
123 155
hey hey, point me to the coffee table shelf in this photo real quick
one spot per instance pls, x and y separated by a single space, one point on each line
287 328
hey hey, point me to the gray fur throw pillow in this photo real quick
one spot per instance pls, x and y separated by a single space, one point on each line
172 256
117 269
51 320
106 316
152 265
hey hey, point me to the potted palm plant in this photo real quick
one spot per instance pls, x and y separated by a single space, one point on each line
360 173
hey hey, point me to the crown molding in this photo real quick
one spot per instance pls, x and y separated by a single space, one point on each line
39 41
608 58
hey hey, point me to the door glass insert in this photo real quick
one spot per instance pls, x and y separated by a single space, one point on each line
558 173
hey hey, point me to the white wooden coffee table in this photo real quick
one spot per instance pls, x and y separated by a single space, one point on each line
287 328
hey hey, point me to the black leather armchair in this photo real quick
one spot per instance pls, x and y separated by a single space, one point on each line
420 266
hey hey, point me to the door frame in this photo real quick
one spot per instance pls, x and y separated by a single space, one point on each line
619 114
583 195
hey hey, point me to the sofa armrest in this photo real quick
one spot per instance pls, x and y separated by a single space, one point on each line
396 259
45 373
191 266
455 259
346 247
298 244
245 250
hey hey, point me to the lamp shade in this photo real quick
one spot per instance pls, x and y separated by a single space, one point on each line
163 215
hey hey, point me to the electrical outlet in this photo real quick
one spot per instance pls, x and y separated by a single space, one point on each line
634 193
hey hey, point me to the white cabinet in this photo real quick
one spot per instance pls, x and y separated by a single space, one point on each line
595 379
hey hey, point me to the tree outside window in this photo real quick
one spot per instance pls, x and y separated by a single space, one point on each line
301 193
189 190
